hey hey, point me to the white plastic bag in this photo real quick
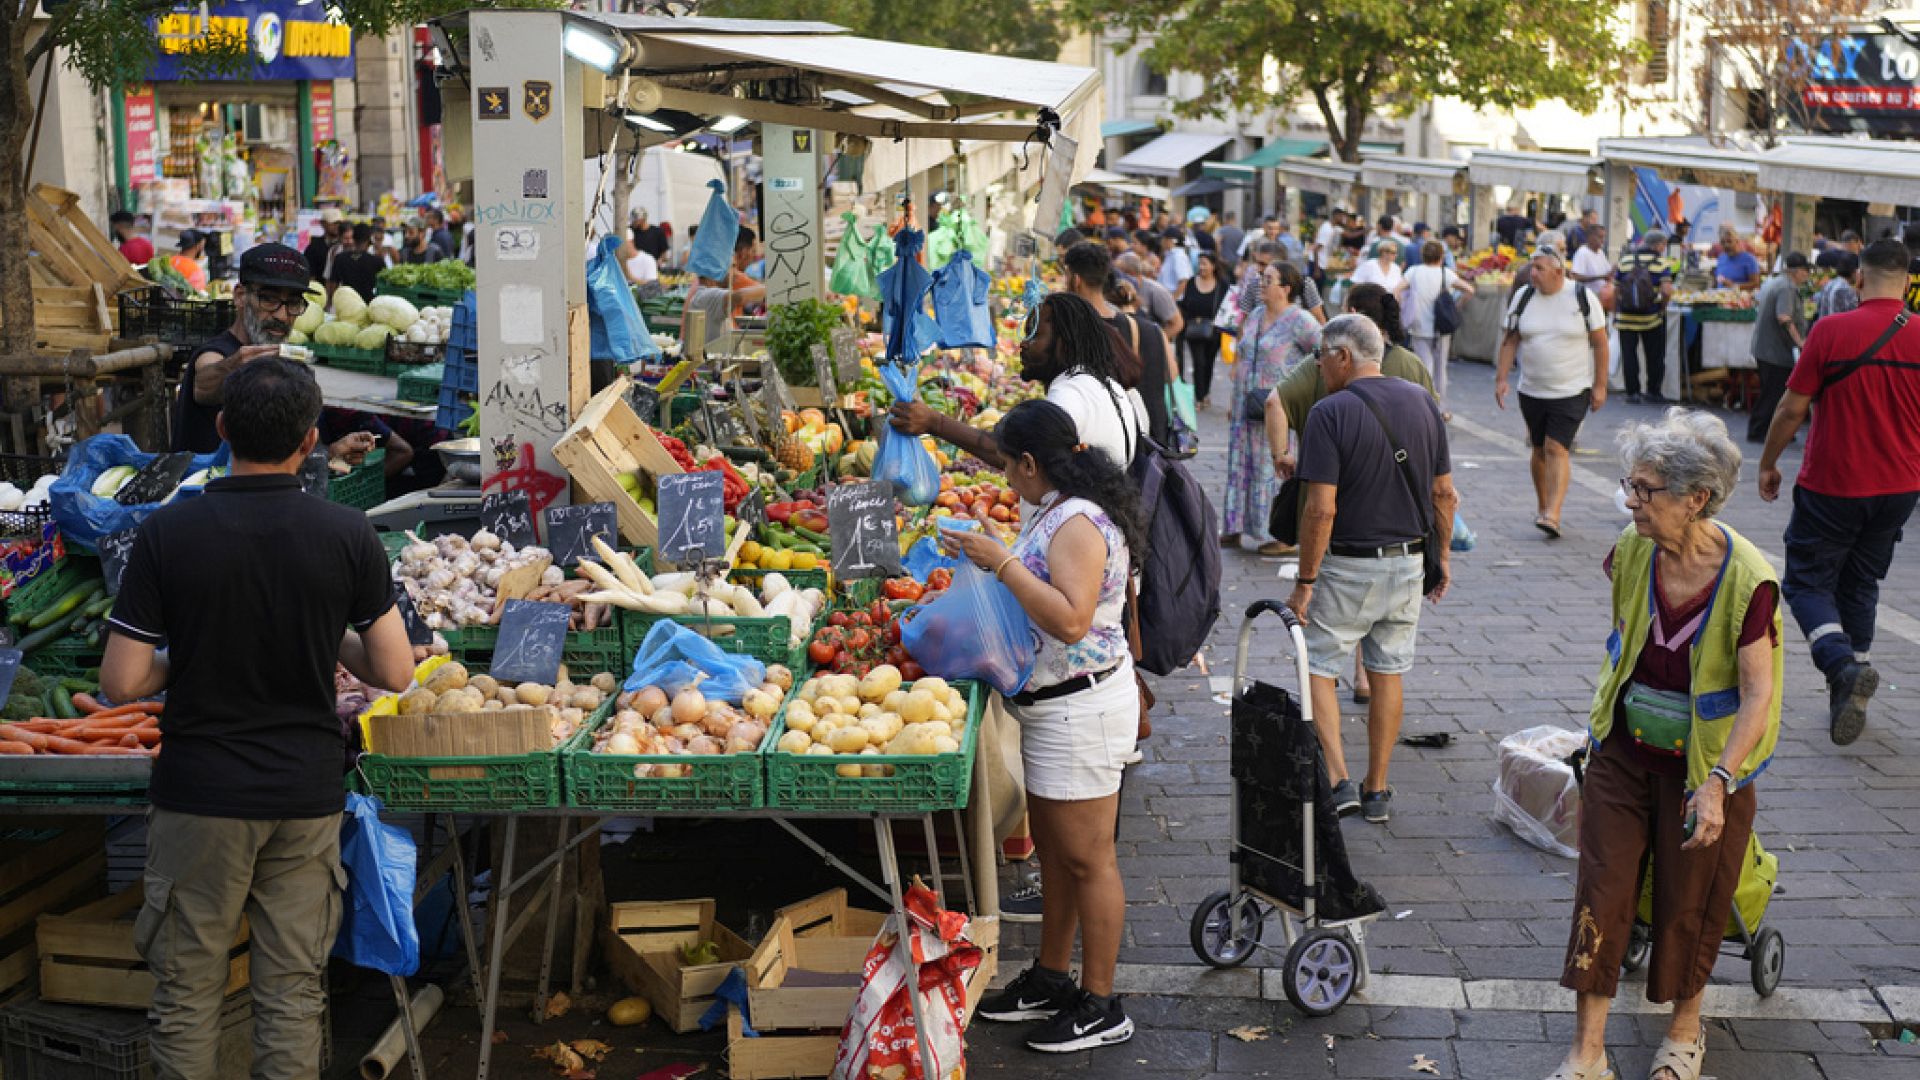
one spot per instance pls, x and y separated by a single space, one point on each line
1536 794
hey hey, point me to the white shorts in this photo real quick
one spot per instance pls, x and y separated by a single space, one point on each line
1073 748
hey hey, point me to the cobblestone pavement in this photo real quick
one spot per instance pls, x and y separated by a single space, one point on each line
1466 956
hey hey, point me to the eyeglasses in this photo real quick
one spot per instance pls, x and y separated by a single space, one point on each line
295 306
1640 492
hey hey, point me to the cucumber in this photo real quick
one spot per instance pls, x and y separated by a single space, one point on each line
810 536
41 637
78 686
62 702
99 607
63 607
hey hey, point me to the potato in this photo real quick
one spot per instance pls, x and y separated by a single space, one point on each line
451 675
893 701
417 702
848 740
486 684
794 742
800 716
605 683
880 682
917 708
847 772
934 685
532 693
819 750
587 698
492 706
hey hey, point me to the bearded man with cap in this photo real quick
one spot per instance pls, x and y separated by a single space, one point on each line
271 294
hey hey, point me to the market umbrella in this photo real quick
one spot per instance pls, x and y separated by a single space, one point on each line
909 330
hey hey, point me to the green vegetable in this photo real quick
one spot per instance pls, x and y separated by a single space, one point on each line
23 703
62 704
793 330
64 607
449 274
42 636
809 534
99 607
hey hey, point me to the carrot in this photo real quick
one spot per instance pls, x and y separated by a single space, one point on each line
15 748
133 706
34 739
59 745
42 726
101 727
107 751
130 739
88 704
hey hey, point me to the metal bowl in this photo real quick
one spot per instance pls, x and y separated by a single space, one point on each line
461 457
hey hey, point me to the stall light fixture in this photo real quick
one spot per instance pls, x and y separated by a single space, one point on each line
590 48
649 123
727 125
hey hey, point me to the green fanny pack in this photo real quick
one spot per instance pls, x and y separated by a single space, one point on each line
1660 720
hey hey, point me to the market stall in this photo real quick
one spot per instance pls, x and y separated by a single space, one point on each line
1339 182
1498 177
1435 186
1878 175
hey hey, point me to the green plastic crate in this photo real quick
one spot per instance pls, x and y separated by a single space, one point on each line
586 654
49 586
365 487
462 784
348 358
423 295
393 542
607 782
128 793
69 657
920 783
421 384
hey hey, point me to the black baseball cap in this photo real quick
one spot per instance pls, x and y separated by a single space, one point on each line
275 265
1117 232
1797 261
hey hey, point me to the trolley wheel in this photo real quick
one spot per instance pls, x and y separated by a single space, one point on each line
1217 940
1322 972
1639 944
1769 959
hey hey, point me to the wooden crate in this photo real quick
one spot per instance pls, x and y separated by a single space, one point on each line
608 441
643 940
87 957
799 1026
46 865
77 273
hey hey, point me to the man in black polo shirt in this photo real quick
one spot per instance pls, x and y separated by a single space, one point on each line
271 294
257 590
357 264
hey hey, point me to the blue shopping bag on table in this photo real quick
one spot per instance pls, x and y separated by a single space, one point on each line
974 630
960 304
84 517
711 255
674 657
376 915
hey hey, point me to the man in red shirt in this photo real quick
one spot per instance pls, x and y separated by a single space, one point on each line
1859 479
137 249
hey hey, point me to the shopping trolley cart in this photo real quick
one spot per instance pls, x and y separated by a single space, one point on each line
1288 853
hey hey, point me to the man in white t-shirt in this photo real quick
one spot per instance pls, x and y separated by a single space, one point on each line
1591 267
1327 237
1556 330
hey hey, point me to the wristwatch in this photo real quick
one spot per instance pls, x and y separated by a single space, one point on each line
1726 778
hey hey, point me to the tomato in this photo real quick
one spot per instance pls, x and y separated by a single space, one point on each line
897 656
822 652
839 618
878 613
893 632
859 640
940 580
911 671
902 589
861 618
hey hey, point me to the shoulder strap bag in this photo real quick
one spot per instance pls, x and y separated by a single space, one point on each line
1422 501
1841 371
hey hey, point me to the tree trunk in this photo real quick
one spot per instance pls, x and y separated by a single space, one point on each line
1338 135
16 119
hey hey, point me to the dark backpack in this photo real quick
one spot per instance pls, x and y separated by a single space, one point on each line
1446 312
1639 291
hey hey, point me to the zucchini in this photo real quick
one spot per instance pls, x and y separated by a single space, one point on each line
41 637
810 536
64 606
99 607
62 702
78 686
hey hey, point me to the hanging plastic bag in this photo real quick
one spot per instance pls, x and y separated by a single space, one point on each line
711 255
973 238
902 459
376 923
853 272
943 241
909 330
617 330
1180 403
84 517
881 1037
1463 538
974 630
960 304
674 657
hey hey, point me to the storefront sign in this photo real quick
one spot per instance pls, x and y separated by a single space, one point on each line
1859 82
143 164
287 38
321 102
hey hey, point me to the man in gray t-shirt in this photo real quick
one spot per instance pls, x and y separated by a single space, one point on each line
1779 329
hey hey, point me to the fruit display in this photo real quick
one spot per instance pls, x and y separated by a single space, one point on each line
453 581
813 431
649 722
1726 298
448 690
76 615
882 712
861 640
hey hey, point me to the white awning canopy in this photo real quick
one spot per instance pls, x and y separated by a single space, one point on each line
1524 170
1687 160
1170 154
1334 179
1423 176
1871 171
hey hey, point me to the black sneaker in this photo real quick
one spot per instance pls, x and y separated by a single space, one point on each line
1346 798
1847 693
1656 399
1037 994
1022 905
1635 399
1374 805
1083 1024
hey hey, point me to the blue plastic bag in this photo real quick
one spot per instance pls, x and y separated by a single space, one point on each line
974 630
909 330
84 517
1463 538
674 657
711 255
618 331
376 916
960 304
902 459
925 556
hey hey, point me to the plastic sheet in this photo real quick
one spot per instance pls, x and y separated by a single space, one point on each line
84 517
674 657
909 330
376 925
974 630
618 332
854 272
1536 794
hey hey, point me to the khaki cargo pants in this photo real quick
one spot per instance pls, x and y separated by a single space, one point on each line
202 874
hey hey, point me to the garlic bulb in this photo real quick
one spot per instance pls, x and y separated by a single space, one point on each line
485 541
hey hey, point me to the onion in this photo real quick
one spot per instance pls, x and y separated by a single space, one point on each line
650 700
689 706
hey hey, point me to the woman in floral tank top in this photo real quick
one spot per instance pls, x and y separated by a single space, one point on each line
1078 712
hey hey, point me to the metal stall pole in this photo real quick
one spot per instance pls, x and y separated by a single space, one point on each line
890 869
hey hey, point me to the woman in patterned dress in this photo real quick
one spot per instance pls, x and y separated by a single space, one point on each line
1078 713
1276 336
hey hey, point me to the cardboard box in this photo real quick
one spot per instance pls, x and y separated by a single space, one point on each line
500 733
87 957
643 943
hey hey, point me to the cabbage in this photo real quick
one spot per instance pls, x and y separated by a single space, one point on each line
310 319
335 332
393 312
372 337
109 483
298 338
348 306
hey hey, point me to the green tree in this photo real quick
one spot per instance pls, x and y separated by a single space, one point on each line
1026 28
1351 57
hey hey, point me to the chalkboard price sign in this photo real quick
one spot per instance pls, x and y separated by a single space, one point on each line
533 634
508 515
692 516
866 539
315 476
9 667
823 374
114 549
571 529
157 481
846 357
417 631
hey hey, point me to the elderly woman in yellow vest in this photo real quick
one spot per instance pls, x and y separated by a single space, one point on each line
1685 717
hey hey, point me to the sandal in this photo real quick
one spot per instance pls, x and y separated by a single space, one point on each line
1275 547
1682 1061
1229 540
1599 1070
1547 525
